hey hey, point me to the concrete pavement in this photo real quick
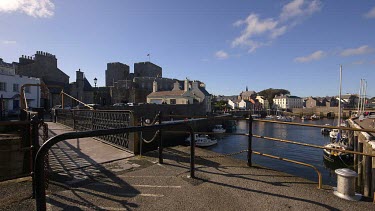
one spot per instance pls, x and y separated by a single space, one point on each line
129 183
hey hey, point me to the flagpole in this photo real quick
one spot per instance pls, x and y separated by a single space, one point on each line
149 57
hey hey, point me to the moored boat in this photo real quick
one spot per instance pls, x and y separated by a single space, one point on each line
326 131
218 129
202 140
332 155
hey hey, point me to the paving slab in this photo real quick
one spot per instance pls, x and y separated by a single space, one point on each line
220 184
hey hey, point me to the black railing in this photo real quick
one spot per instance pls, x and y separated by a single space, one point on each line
39 182
84 120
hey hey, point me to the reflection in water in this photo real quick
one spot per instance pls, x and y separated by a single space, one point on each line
314 156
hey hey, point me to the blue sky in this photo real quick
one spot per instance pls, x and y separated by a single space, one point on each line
296 45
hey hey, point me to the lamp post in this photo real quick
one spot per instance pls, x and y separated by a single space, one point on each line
95 81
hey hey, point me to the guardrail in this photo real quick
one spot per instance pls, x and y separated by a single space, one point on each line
250 135
39 184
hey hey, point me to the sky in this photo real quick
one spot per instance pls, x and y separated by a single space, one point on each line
296 45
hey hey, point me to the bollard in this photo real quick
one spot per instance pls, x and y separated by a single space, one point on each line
346 185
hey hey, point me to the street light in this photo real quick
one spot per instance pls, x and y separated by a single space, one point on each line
95 80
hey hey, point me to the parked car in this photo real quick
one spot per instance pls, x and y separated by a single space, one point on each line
371 115
119 104
60 107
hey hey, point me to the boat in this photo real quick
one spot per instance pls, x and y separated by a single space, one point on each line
315 117
218 129
303 118
269 117
337 140
202 140
326 131
334 156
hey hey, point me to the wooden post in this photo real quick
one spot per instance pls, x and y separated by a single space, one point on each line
368 176
355 148
360 167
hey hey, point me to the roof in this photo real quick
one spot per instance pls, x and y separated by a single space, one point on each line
235 100
166 93
286 96
247 93
204 91
86 85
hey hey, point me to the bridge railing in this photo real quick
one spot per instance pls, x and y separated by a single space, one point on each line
84 120
39 178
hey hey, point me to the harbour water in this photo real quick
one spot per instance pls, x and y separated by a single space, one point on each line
310 135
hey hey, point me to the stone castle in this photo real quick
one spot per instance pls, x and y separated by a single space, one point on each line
121 85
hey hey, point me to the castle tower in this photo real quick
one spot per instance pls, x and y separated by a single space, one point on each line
116 71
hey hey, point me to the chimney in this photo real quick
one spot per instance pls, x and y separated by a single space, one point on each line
195 85
186 87
79 75
176 86
154 86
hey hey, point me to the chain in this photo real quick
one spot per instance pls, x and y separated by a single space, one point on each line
152 139
352 166
153 121
224 155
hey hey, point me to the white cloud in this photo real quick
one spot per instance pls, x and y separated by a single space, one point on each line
255 27
364 49
312 57
221 54
260 32
8 42
299 8
34 8
371 13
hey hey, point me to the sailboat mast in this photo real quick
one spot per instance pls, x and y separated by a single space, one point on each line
339 120
360 98
364 96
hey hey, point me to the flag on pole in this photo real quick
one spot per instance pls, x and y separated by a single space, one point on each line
148 54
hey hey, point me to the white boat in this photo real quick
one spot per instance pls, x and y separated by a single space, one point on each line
202 140
338 141
333 134
314 117
218 129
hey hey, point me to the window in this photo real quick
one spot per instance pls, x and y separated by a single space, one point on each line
3 86
172 101
16 87
27 89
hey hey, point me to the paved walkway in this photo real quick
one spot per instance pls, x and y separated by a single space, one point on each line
78 159
142 184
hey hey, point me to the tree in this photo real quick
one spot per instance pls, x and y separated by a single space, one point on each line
220 105
270 93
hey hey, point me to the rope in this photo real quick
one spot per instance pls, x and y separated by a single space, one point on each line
152 139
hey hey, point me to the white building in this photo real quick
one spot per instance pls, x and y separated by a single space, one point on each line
239 104
287 102
176 96
263 101
10 86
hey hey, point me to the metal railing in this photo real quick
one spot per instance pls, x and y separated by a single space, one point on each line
84 120
39 182
250 135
